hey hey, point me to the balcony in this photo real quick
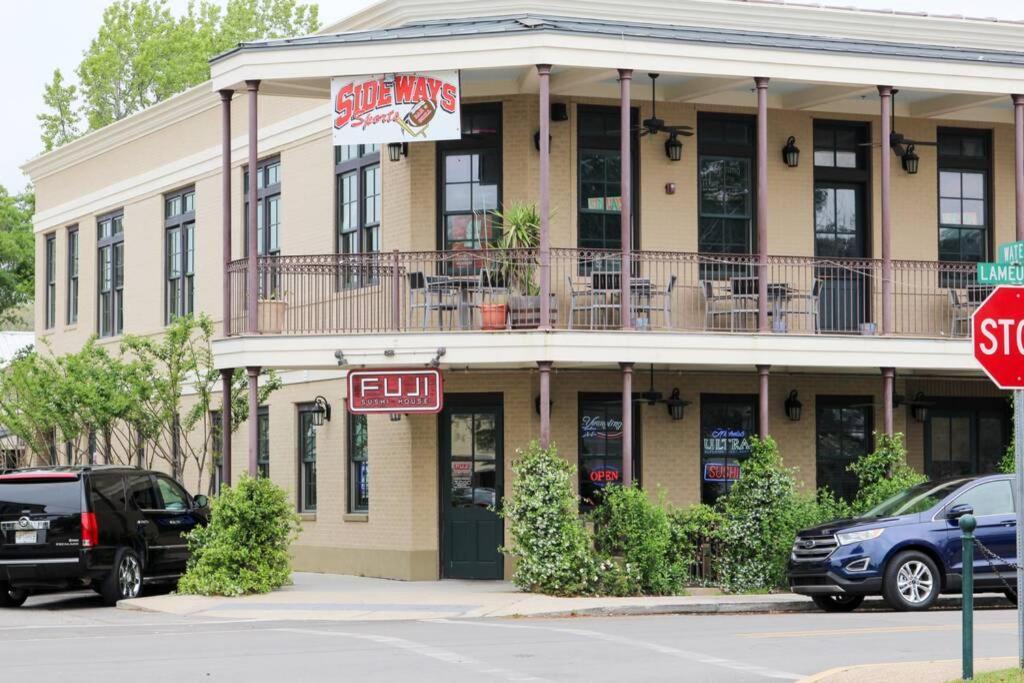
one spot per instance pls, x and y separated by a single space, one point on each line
473 290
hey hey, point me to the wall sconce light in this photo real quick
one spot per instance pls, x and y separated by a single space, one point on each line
397 150
793 406
675 405
673 148
791 153
536 404
536 141
322 411
910 160
919 407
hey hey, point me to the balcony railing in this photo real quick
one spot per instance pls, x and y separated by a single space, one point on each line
670 291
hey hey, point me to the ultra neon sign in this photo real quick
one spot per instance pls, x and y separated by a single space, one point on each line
395 391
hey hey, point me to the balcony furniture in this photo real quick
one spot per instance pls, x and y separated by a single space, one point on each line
744 291
604 285
429 293
463 289
581 300
961 307
716 304
648 297
744 299
806 304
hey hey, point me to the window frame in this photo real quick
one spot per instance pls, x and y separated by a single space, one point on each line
50 281
306 483
961 164
74 245
216 455
843 402
185 223
263 442
353 506
725 151
607 399
264 192
111 325
707 400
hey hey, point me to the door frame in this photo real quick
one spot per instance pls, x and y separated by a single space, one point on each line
493 399
976 405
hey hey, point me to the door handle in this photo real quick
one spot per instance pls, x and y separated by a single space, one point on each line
1010 523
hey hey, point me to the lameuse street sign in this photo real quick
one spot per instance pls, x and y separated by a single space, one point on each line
1008 270
998 327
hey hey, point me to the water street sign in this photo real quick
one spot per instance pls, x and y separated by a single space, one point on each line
1001 273
1011 252
406 390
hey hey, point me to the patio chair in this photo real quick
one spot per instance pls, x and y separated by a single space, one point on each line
743 293
961 308
580 301
429 293
605 287
715 305
647 301
805 304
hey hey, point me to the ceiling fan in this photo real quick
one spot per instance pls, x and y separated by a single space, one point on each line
655 125
674 402
900 144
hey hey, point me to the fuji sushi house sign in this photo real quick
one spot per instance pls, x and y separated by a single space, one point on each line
395 391
396 108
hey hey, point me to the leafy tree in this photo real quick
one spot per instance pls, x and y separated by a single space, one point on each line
883 473
17 254
143 54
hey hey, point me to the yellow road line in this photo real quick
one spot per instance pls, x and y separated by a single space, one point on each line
869 630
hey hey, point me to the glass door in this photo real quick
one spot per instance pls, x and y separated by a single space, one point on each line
839 237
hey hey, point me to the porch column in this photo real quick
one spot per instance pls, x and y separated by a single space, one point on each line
626 214
225 201
1018 172
762 203
545 402
762 396
253 374
251 289
627 424
544 74
888 385
226 376
885 94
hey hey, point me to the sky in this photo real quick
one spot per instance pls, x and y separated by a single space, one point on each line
53 34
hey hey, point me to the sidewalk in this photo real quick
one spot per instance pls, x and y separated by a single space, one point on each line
909 672
335 597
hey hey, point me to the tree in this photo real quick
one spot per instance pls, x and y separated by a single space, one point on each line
143 54
17 254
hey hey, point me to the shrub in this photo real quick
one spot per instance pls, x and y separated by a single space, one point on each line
883 473
244 549
691 528
548 539
628 525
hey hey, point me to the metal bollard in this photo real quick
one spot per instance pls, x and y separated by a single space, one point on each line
967 525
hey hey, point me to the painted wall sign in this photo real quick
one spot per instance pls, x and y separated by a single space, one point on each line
407 390
721 472
396 108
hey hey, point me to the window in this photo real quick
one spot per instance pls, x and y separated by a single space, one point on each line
263 443
469 173
600 445
141 492
215 449
965 436
268 217
108 493
726 424
358 196
51 280
179 253
172 495
841 180
725 146
110 274
838 145
990 498
843 434
358 464
599 175
72 316
964 163
307 458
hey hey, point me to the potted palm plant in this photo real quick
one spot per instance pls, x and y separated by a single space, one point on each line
520 223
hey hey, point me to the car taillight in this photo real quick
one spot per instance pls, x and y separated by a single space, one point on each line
90 530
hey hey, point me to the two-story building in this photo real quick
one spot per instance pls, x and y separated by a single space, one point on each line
805 190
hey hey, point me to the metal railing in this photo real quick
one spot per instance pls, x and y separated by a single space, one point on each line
670 291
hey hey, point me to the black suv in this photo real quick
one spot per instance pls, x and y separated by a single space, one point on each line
111 528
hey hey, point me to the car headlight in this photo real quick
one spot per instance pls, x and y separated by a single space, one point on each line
858 536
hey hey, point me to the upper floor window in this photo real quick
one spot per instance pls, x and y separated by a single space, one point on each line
268 207
725 157
358 195
469 175
179 253
110 274
51 281
964 163
72 316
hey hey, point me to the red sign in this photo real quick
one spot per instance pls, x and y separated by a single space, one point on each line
998 327
395 391
721 472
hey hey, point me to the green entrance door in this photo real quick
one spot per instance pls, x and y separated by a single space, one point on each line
471 462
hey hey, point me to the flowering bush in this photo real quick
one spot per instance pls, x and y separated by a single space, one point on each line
884 473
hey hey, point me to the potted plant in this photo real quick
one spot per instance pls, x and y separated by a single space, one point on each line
270 313
520 233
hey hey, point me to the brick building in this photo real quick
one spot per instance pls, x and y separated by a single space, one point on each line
816 299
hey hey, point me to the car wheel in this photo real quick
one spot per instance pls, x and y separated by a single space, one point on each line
838 602
912 582
12 597
125 580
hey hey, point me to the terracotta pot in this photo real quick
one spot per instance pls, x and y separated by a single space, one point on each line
270 315
493 316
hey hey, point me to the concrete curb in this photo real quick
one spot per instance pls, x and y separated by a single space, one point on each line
697 608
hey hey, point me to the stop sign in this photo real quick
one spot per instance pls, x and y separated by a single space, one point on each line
998 327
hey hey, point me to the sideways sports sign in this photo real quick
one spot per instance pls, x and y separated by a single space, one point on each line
396 108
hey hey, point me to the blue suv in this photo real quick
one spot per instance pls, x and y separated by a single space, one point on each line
908 548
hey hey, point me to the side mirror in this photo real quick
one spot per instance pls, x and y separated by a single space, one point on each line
958 511
201 501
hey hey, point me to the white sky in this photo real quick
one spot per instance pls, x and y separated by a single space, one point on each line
42 35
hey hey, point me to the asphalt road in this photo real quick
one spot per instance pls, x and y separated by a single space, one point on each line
74 638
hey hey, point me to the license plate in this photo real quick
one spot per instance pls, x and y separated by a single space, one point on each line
24 537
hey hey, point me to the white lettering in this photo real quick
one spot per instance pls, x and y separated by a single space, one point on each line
986 331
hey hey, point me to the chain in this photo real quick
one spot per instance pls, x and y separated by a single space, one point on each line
989 556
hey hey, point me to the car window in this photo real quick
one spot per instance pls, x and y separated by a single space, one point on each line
174 496
108 492
141 492
990 498
916 499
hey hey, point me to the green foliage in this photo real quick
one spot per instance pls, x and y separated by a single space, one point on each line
629 526
1008 463
17 254
552 548
244 549
883 473
520 225
143 54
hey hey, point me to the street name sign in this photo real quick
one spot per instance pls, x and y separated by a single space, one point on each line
1011 252
1001 273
